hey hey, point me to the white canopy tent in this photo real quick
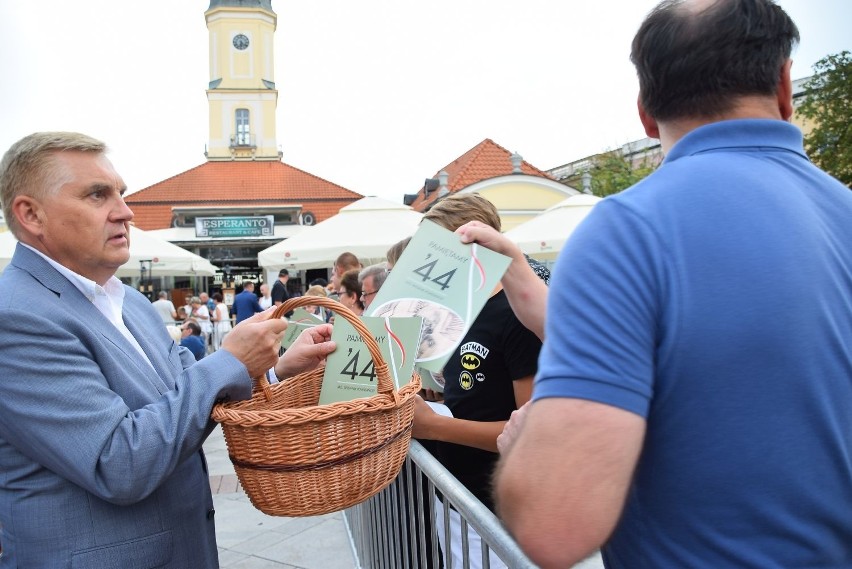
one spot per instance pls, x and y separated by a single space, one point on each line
7 248
166 259
543 236
367 228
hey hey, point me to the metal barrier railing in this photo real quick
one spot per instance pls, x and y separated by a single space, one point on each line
397 527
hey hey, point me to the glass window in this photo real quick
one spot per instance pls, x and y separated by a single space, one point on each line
243 136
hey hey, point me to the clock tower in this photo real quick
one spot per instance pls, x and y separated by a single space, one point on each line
241 95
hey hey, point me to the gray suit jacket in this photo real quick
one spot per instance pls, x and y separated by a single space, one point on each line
100 455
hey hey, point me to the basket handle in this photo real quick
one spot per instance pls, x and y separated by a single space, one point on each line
385 383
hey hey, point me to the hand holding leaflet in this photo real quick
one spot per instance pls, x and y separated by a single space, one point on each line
445 282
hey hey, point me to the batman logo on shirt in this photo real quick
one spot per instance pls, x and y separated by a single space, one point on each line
470 361
465 380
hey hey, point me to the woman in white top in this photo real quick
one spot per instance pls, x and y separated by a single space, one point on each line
221 321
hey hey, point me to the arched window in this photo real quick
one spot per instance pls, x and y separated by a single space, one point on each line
243 133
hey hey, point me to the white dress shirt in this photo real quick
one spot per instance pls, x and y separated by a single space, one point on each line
108 299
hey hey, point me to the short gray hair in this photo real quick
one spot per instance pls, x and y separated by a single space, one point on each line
379 272
28 167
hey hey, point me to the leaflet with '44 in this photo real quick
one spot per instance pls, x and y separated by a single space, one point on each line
445 282
349 370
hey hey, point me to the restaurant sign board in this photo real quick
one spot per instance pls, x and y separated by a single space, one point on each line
235 226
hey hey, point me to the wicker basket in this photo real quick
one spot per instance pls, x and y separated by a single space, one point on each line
296 458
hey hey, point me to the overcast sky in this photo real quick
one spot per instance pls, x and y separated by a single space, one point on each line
374 95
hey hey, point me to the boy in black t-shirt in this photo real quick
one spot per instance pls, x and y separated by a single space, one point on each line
488 376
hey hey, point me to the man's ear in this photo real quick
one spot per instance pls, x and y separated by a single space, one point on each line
28 213
784 93
649 122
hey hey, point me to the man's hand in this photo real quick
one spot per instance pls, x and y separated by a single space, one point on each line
255 342
307 352
512 428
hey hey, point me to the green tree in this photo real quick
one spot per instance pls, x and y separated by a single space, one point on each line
613 171
827 107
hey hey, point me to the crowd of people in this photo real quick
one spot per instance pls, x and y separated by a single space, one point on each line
207 319
676 396
203 322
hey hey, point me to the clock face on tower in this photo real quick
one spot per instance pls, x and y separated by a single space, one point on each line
240 41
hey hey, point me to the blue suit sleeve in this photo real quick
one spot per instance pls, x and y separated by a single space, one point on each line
75 405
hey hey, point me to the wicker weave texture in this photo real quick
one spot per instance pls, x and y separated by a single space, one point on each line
296 458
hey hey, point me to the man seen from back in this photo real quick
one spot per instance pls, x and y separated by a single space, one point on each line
691 407
279 292
165 308
246 303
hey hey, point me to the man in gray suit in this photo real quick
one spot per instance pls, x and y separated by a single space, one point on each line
102 415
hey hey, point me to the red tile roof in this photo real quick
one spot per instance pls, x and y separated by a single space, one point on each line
485 160
239 184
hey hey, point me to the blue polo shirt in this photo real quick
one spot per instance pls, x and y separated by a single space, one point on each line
714 299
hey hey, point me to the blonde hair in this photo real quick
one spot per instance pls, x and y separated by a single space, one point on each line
457 209
28 168
316 290
395 252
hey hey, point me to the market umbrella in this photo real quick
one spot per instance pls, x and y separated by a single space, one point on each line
166 258
367 228
543 236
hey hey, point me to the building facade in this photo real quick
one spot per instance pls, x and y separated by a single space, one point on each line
244 197
518 190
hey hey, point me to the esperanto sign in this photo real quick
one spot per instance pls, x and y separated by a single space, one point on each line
236 226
